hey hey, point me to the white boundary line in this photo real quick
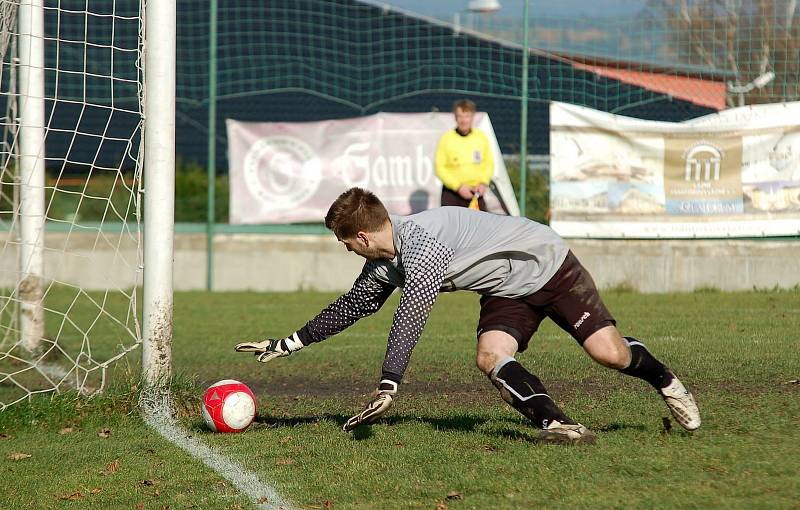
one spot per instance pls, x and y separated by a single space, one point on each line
157 410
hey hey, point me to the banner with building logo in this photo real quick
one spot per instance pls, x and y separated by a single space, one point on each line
291 172
731 174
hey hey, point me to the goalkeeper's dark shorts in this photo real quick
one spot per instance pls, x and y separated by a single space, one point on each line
569 298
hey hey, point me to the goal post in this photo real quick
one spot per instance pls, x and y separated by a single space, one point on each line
159 207
31 172
87 183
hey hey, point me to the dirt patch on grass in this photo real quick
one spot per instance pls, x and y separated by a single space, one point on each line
479 390
475 391
301 386
737 387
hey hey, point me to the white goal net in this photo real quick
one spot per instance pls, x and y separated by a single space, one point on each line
70 188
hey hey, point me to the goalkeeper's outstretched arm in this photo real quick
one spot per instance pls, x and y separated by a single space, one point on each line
426 261
366 297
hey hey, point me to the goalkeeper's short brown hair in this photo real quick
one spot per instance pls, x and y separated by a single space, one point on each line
356 210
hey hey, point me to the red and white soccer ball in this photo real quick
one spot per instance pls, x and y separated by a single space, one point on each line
229 406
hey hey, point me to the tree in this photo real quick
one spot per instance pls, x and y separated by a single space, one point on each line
748 38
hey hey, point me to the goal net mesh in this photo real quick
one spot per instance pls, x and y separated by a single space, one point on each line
85 298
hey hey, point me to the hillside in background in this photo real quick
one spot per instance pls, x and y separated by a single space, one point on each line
698 34
609 28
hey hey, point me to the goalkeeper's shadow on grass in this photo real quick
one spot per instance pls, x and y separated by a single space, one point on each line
269 422
507 428
528 433
462 422
613 427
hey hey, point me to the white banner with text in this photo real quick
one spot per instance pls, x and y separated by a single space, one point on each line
291 172
730 174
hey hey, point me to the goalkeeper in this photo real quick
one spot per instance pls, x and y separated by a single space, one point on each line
524 272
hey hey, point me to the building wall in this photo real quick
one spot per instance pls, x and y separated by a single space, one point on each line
293 263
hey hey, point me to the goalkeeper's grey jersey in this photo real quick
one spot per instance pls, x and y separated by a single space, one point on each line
443 249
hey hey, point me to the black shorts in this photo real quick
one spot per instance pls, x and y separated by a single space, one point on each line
570 298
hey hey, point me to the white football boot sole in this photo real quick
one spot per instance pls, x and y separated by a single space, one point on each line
681 404
559 433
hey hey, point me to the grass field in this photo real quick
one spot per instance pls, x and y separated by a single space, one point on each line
449 432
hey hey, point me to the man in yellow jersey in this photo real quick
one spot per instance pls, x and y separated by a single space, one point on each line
464 160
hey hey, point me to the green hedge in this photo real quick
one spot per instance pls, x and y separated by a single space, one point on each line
107 197
191 195
537 202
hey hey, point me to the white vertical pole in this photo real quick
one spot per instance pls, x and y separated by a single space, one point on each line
31 171
159 185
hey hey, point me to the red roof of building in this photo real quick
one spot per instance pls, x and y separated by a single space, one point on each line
702 92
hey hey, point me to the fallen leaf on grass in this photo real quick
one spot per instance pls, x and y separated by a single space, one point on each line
18 456
327 504
454 495
284 462
96 490
140 506
74 496
65 430
262 500
112 467
104 432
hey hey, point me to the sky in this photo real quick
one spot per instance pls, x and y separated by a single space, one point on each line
602 28
583 8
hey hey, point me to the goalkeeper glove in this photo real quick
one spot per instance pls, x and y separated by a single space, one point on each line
379 404
271 348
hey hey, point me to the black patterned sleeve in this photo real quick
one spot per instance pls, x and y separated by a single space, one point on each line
425 261
365 298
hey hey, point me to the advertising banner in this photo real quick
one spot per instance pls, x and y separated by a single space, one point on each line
730 174
291 172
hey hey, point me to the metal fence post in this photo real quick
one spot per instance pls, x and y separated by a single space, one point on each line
523 118
212 143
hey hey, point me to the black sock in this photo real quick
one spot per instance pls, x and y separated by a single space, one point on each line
645 366
526 393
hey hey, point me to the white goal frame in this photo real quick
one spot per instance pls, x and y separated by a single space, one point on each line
159 189
159 48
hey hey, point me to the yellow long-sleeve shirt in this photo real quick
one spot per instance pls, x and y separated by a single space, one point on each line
464 159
